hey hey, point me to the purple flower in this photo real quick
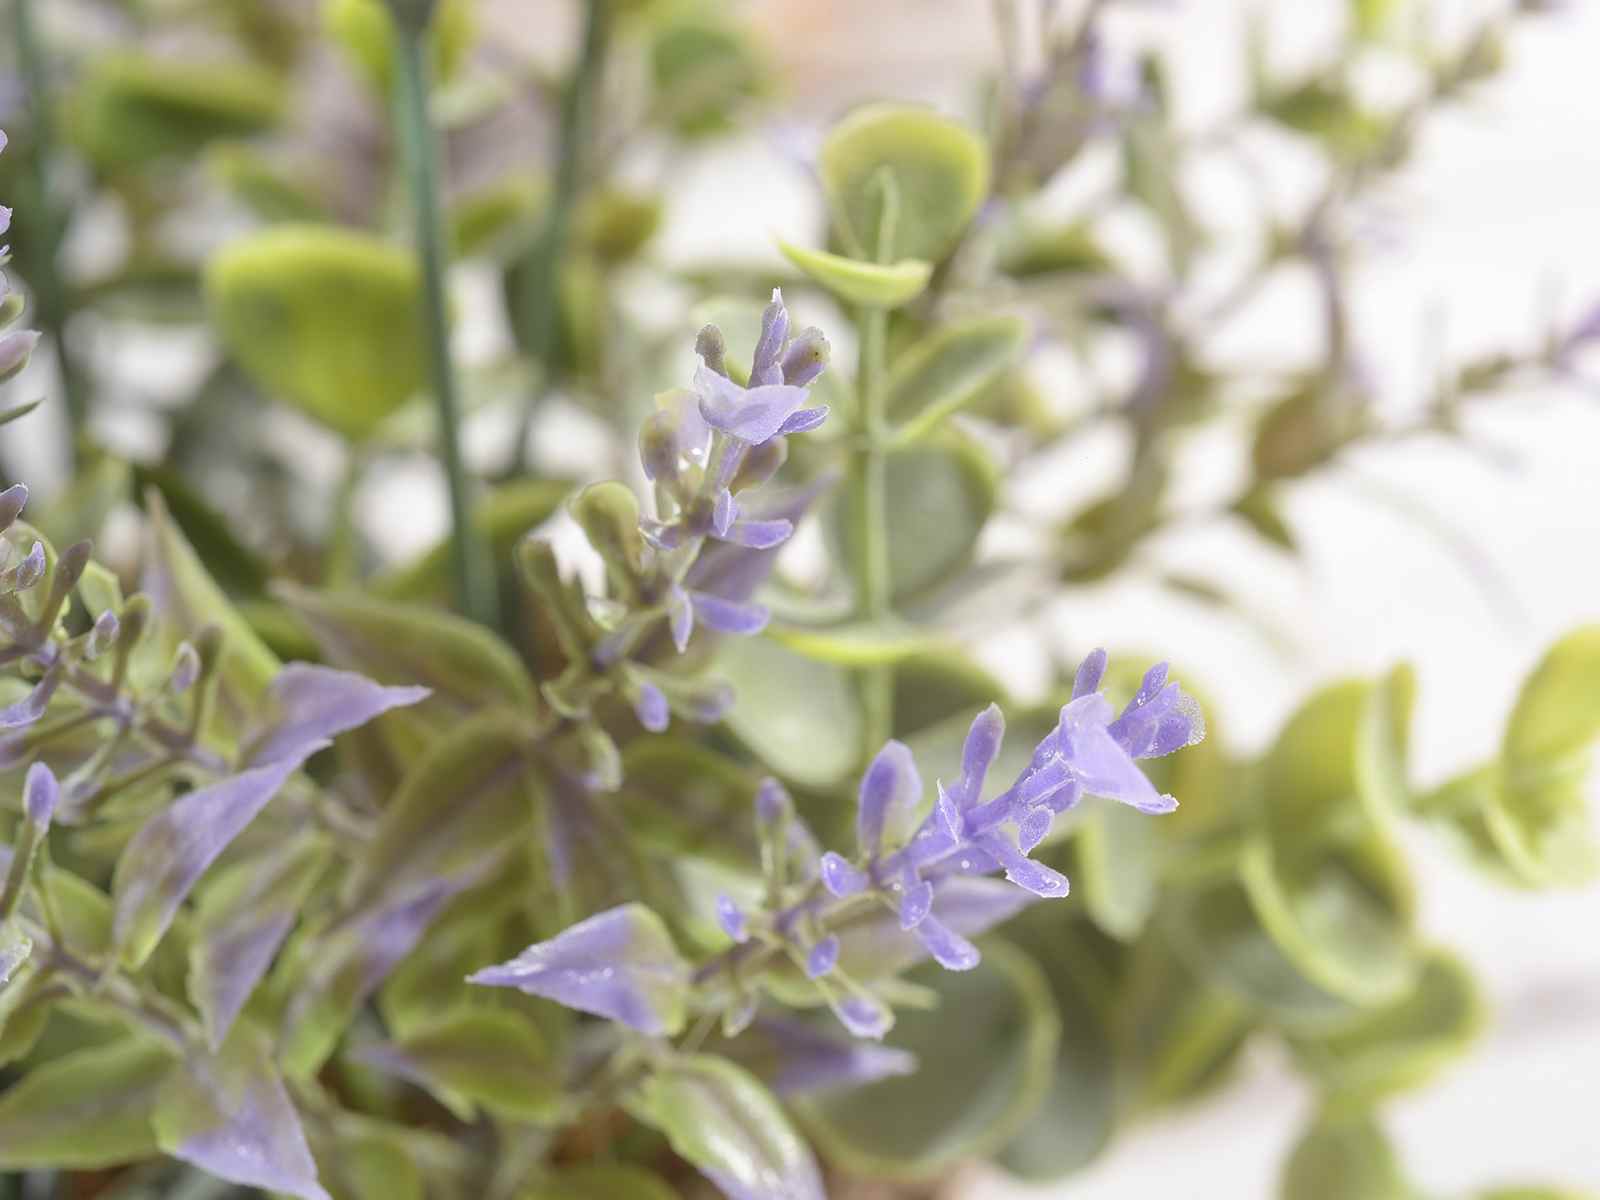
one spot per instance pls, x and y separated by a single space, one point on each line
685 606
40 791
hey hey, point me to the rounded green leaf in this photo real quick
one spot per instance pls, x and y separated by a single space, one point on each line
940 174
130 109
1401 1045
1340 1159
800 716
327 319
941 374
987 1053
1118 851
868 284
703 68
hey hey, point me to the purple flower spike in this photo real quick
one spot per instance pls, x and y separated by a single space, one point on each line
620 964
948 948
890 789
731 919
840 878
40 792
729 616
651 708
752 415
823 957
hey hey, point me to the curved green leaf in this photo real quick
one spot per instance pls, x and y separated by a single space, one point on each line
88 1109
941 374
869 284
1344 1160
856 644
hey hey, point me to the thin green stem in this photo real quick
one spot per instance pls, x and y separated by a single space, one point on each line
470 565
540 295
49 291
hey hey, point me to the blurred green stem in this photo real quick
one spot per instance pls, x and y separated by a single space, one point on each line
471 567
49 292
869 480
542 287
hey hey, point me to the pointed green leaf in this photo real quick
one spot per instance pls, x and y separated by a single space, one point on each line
20 410
973 1093
719 1117
941 374
868 284
940 171
1118 852
856 644
1343 1159
88 1109
800 716
327 319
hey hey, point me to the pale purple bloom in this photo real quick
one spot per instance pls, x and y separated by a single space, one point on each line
841 877
752 415
40 793
619 964
863 1015
685 606
890 789
801 1058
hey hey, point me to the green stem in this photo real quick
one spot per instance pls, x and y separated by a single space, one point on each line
472 570
49 291
540 296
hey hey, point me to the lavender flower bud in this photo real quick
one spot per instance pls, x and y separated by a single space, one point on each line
823 957
30 570
15 350
185 668
650 706
40 792
658 447
890 788
840 877
773 805
806 357
765 366
102 635
731 919
12 502
71 565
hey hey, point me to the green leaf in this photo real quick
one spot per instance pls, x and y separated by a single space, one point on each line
679 799
1402 1045
1075 1120
471 794
86 1110
719 1117
800 716
20 410
930 688
973 1092
467 666
1534 1192
940 495
365 31
486 1057
1069 249
941 374
237 569
939 169
1344 1159
856 644
273 194
703 68
871 285
130 109
604 1181
327 319
1118 853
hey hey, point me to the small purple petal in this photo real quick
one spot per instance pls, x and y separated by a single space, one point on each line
1090 672
723 513
32 706
863 1015
840 878
758 535
752 415
772 803
1032 828
729 616
804 421
40 792
680 617
1102 766
948 948
650 706
949 814
890 788
915 905
823 957
807 1059
312 704
1022 870
731 919
765 365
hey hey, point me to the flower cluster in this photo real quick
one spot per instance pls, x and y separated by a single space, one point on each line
913 889
16 346
707 453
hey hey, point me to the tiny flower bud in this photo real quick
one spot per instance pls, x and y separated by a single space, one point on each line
12 502
103 634
658 447
30 570
773 805
824 956
650 706
133 619
40 793
731 919
712 349
806 358
185 667
73 562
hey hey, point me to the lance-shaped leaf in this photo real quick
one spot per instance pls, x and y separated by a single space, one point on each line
719 1117
166 858
87 1109
231 1116
467 666
796 1057
492 1058
308 705
871 285
15 946
332 971
620 964
942 374
990 1076
470 794
244 915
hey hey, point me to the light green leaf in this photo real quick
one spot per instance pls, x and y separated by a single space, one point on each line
975 1091
719 1117
857 644
871 285
86 1110
467 666
365 31
703 68
1118 851
601 1181
939 168
680 799
930 688
1399 1046
1344 1159
486 1057
800 716
327 319
941 374
18 411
